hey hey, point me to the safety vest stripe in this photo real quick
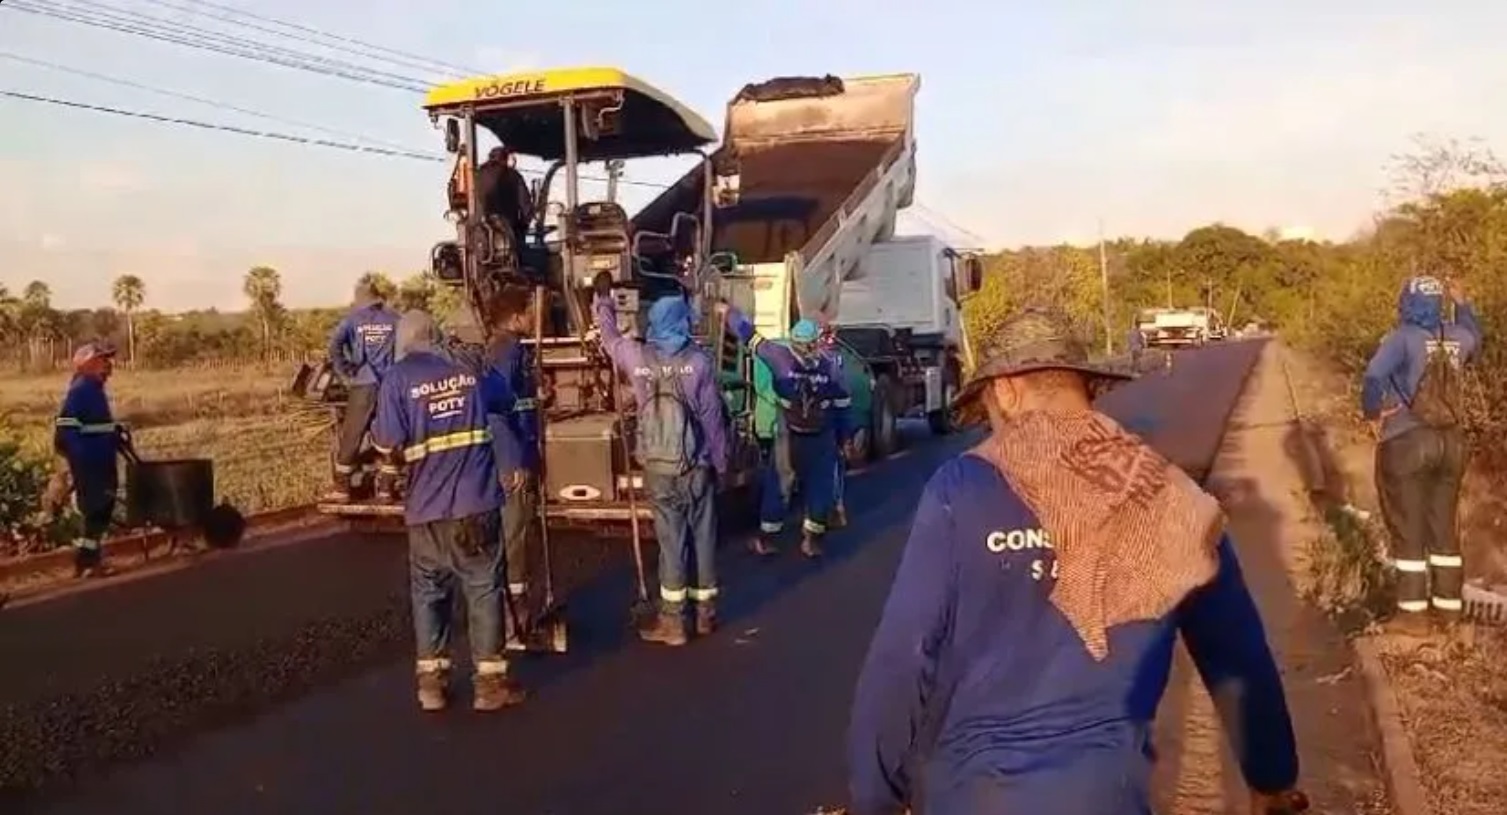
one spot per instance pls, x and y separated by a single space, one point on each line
1447 561
842 403
64 421
98 429
449 441
753 344
522 405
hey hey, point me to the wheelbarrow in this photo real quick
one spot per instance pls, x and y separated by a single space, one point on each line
178 497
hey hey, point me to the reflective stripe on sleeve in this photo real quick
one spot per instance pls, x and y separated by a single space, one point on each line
523 405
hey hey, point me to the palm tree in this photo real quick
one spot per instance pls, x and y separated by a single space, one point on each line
263 286
129 293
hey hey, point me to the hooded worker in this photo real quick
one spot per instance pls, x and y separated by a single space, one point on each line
1029 632
515 439
814 412
434 412
361 350
682 446
88 438
1412 396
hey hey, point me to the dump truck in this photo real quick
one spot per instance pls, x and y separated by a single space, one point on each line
810 177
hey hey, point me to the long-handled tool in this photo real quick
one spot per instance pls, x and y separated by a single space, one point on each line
541 301
642 608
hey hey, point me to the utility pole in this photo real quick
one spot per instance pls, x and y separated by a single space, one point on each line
1109 333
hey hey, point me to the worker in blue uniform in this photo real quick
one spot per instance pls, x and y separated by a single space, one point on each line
516 438
814 407
1029 632
88 438
361 351
681 444
434 412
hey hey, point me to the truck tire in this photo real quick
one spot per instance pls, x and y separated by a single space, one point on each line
942 421
884 432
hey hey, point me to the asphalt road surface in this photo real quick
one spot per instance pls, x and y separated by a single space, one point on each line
751 720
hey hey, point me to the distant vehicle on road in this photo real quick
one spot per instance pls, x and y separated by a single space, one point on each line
1178 328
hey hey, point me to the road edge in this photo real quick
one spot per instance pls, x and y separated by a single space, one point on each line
1399 768
1404 780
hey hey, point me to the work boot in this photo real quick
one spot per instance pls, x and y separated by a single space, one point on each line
668 629
433 688
706 619
495 691
811 545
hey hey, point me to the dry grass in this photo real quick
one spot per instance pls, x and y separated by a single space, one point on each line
270 450
1454 700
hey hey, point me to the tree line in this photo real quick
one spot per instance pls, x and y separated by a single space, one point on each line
36 336
1447 217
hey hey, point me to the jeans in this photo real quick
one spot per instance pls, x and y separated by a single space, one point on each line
685 521
1418 478
441 554
814 460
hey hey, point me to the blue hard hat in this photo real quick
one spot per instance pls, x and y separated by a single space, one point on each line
804 331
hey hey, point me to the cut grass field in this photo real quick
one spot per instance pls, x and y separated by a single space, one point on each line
270 450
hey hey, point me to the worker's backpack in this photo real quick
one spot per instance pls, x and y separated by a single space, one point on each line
667 438
1438 400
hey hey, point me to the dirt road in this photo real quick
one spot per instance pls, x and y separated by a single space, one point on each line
1257 475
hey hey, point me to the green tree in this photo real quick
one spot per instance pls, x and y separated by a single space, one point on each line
263 286
128 293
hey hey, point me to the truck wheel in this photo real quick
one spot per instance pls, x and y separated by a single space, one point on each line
942 421
884 433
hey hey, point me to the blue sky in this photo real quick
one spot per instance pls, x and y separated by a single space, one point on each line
1034 120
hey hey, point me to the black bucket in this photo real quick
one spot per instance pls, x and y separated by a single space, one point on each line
173 494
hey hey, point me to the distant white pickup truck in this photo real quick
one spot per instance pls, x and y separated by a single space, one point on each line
1174 328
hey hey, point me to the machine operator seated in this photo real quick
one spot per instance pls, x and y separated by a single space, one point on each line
504 194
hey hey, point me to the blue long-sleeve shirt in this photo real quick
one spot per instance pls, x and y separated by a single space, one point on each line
978 696
85 432
363 345
703 394
437 412
790 373
1396 369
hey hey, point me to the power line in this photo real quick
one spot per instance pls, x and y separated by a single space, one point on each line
446 66
53 66
224 128
274 135
201 39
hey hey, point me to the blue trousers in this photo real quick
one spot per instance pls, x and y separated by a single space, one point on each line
814 459
685 522
464 554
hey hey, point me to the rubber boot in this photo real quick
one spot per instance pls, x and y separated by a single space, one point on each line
495 690
811 544
706 618
668 628
434 686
